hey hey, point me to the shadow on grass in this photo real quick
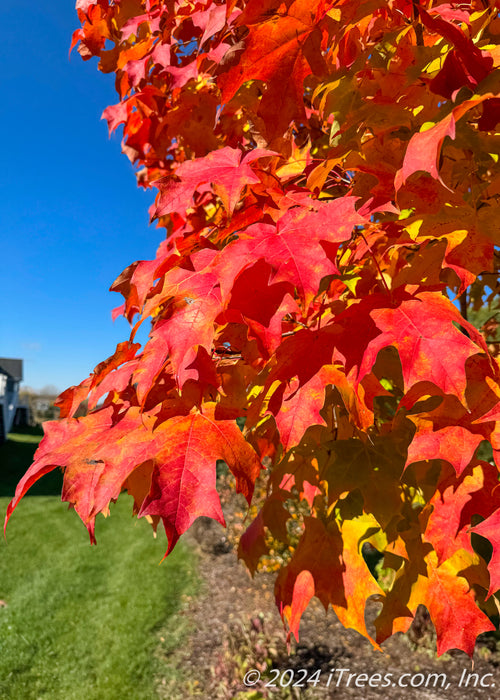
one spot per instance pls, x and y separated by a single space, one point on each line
16 456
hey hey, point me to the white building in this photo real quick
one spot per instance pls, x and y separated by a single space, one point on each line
11 375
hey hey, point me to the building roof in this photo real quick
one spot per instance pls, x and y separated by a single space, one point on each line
12 367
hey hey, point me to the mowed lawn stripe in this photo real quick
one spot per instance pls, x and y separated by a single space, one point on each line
82 621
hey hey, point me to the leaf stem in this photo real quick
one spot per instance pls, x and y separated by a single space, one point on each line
376 263
419 32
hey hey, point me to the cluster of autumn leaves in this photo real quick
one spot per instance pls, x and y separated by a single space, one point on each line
327 178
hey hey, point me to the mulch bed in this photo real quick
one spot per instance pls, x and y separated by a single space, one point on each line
236 627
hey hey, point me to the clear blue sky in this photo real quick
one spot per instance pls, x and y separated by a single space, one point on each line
71 215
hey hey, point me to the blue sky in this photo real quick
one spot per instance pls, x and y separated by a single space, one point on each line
71 215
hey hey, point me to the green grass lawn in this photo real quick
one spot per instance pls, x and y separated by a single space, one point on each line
82 621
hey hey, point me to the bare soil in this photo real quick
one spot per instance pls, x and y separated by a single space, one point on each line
236 628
